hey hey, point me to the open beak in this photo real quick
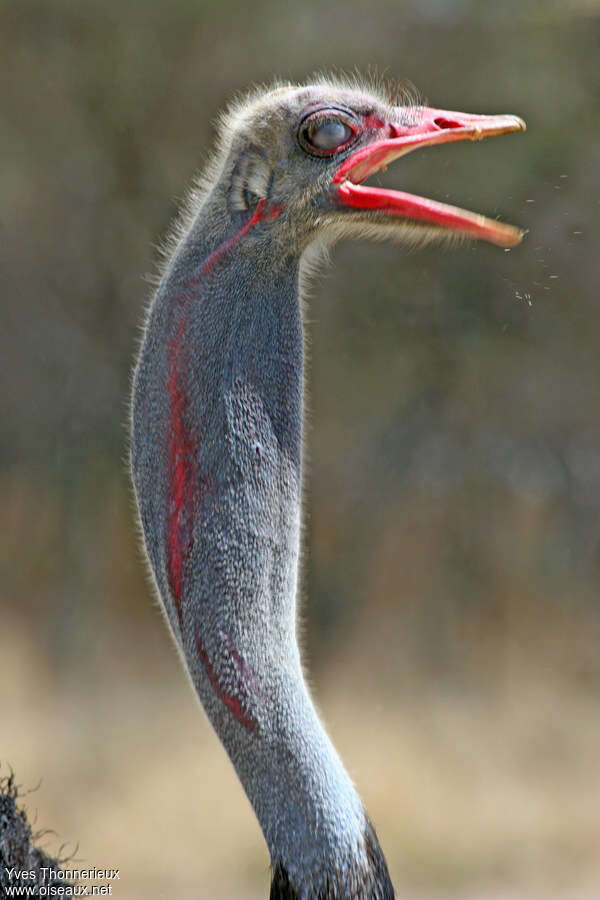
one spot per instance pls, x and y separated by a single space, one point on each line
431 126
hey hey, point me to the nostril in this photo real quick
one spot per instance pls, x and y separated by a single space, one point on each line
446 123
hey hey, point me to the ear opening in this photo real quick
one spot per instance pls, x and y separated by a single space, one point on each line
250 180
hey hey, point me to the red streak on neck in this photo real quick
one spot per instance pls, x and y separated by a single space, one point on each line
261 213
182 474
231 702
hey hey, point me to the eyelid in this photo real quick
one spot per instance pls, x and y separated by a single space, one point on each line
334 111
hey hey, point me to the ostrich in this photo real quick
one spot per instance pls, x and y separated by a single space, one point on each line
217 429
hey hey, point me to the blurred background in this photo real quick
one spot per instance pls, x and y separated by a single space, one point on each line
452 624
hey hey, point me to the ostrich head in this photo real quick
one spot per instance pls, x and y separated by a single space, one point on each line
217 423
306 153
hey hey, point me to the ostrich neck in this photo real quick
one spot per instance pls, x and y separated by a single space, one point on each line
217 461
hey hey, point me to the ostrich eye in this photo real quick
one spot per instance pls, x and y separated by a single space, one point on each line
324 135
329 135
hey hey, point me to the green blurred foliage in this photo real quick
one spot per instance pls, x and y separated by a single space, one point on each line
454 495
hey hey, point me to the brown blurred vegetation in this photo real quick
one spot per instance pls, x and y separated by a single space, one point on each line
453 543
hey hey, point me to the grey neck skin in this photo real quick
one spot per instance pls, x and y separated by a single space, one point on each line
216 457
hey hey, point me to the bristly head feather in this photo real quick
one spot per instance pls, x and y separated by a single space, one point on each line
246 106
259 158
